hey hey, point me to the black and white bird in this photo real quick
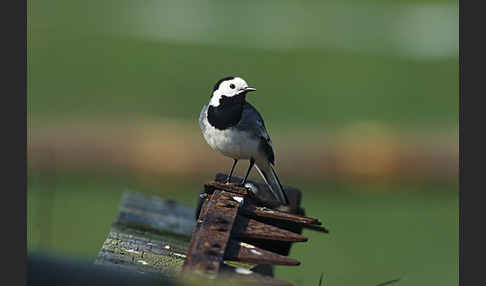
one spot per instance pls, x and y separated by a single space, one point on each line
233 127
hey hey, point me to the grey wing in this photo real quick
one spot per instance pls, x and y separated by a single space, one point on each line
202 117
252 122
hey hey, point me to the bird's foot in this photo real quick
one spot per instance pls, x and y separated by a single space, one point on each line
242 184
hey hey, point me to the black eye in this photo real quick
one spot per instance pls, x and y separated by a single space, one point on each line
232 86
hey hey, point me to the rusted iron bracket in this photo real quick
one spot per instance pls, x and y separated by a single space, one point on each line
233 224
211 234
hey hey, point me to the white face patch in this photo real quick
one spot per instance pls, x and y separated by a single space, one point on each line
228 88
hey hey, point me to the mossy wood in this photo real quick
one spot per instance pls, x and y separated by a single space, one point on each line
150 235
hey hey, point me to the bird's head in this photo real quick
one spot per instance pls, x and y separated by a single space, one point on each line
229 88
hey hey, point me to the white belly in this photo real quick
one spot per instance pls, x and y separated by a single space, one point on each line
231 143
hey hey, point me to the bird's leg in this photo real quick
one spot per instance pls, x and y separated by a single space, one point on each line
252 162
228 179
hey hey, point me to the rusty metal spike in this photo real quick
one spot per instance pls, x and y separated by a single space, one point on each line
250 228
275 214
256 279
247 277
316 228
229 211
211 235
233 188
264 212
241 251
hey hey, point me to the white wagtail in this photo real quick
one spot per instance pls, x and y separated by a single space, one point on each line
235 128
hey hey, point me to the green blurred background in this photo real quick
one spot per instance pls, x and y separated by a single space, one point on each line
360 98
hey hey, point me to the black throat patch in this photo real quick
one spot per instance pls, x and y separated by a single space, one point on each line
228 113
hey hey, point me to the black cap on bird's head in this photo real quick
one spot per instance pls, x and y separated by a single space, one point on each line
216 85
229 86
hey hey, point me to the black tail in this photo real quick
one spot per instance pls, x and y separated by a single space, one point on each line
270 176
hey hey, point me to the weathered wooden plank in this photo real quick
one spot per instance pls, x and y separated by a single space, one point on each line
143 251
43 269
155 214
149 235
